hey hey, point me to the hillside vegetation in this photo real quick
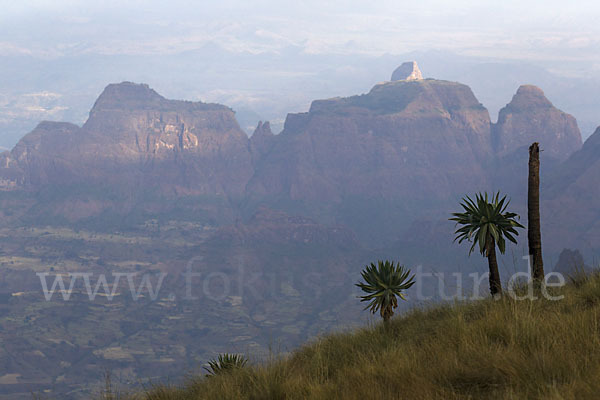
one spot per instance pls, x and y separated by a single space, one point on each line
490 349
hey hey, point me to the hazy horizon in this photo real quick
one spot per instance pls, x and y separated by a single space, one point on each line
266 58
511 29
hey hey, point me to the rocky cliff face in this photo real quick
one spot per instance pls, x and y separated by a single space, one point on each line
404 147
34 158
135 134
531 117
261 141
572 193
404 152
137 146
408 71
405 144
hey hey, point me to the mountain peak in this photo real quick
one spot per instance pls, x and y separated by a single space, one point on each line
263 129
408 71
261 140
531 117
528 97
128 96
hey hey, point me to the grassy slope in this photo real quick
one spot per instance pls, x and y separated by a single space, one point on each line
484 350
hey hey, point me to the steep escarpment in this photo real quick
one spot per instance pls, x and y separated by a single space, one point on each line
34 158
132 127
572 194
136 145
408 71
403 147
580 164
386 163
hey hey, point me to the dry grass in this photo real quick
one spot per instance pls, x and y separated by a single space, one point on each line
490 349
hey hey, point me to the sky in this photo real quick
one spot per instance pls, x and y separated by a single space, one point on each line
507 28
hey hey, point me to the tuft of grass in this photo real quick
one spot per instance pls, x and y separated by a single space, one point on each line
489 349
225 363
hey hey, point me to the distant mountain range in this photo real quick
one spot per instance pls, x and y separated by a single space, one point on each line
378 162
277 226
269 84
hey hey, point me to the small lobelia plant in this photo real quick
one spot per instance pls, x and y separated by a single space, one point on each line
384 283
225 363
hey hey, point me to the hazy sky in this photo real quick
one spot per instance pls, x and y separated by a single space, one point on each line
548 29
73 49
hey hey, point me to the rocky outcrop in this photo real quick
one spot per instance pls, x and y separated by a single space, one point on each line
408 71
261 140
531 117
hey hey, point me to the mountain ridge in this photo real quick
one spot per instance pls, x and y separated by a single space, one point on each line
431 139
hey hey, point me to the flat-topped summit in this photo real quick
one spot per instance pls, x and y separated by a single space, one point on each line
129 96
408 71
135 136
394 97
